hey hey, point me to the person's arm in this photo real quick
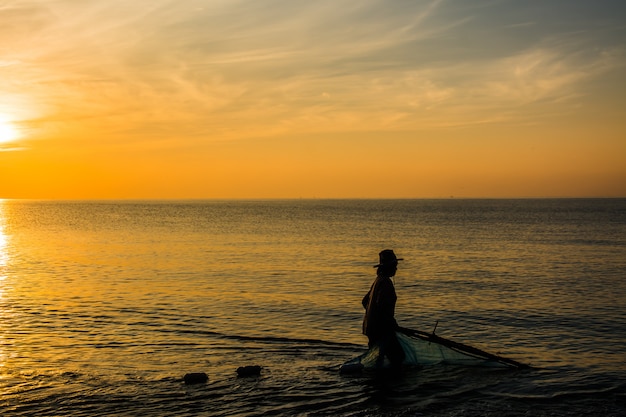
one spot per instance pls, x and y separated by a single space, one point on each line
366 300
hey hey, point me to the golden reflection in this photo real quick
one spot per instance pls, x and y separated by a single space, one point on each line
4 260
4 256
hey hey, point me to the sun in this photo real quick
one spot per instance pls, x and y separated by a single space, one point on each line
8 133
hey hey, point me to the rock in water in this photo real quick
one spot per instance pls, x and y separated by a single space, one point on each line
195 378
249 370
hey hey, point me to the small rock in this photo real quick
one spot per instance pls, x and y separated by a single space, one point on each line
249 370
195 378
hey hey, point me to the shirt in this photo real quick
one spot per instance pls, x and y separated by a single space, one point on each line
380 305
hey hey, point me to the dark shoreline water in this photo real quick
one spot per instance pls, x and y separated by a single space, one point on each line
106 305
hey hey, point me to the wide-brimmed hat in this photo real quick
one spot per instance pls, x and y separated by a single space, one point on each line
387 258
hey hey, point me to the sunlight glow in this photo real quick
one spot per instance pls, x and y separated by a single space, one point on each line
8 133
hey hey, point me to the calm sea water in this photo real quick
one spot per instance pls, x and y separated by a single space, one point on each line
104 306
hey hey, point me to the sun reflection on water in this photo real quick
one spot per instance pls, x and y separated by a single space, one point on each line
4 256
4 260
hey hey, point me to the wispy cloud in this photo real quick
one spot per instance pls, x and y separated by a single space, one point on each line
11 149
240 68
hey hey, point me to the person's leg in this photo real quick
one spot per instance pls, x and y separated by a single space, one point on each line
394 351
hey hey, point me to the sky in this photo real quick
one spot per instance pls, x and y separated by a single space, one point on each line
194 99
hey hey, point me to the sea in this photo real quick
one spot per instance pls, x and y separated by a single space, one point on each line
105 306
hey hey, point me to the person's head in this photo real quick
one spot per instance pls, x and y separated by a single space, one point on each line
388 264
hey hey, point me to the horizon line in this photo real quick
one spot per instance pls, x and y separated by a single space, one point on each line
192 199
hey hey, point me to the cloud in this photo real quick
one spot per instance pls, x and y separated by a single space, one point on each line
227 69
11 149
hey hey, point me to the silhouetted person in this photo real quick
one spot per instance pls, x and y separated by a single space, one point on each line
379 323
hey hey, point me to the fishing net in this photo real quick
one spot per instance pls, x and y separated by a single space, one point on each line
422 349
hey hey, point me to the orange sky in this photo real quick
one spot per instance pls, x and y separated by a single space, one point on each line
327 99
